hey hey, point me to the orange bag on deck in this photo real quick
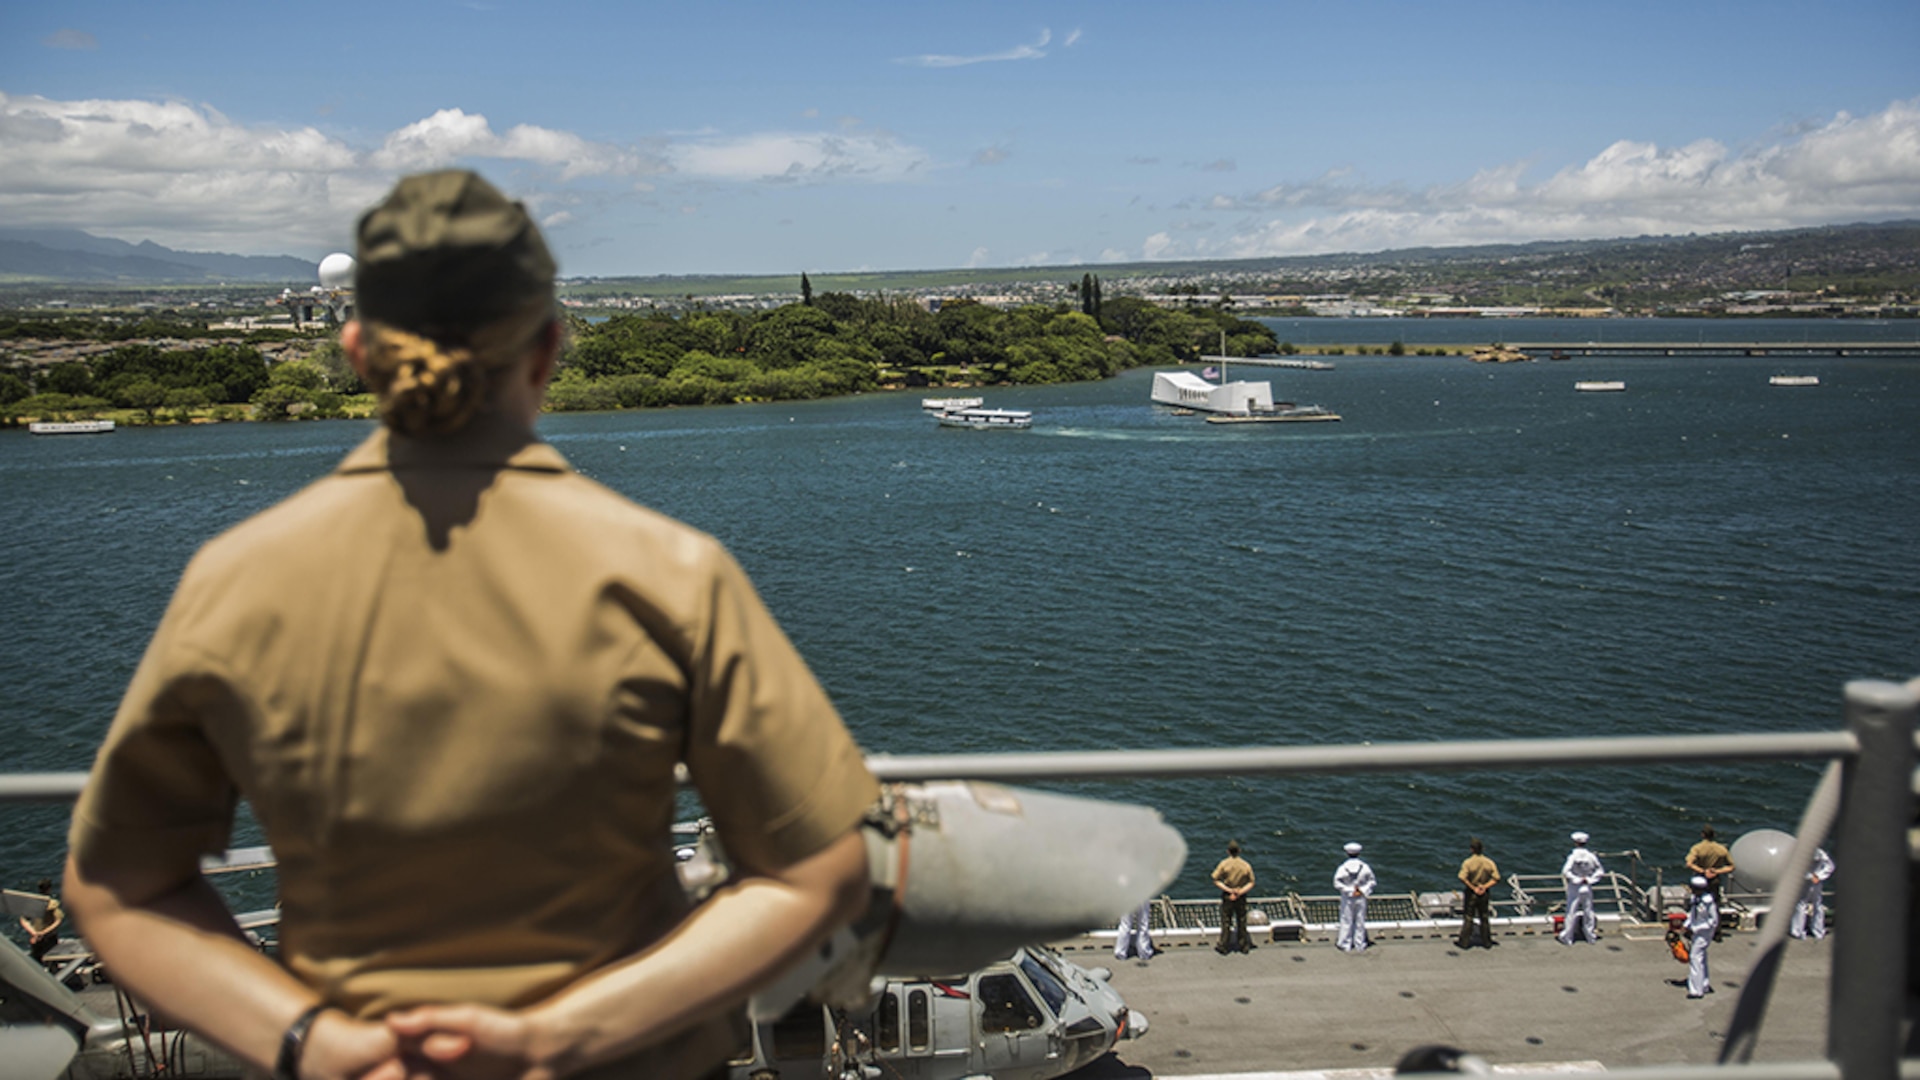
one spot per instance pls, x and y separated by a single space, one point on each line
1676 940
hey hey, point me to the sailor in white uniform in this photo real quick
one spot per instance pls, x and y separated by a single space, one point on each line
1581 872
1134 937
1354 880
1810 914
1703 918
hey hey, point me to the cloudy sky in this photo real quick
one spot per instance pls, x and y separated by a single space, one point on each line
689 137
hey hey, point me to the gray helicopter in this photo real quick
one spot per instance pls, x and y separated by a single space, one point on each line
1036 1015
994 870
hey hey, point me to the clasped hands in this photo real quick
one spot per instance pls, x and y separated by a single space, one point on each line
431 1042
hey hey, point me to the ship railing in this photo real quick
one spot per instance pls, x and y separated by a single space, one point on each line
1546 895
1865 795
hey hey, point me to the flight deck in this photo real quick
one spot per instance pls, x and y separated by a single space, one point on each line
1305 1007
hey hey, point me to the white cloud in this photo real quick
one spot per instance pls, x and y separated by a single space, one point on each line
175 173
1847 169
70 39
1073 38
992 155
1035 51
1113 255
977 259
798 158
450 135
185 175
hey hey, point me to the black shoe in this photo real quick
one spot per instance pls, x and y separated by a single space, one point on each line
1461 945
1221 949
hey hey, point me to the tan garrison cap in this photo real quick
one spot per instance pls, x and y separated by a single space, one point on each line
446 254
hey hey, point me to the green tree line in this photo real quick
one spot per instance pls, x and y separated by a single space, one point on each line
229 378
837 343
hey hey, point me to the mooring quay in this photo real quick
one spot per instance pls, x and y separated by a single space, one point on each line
1566 349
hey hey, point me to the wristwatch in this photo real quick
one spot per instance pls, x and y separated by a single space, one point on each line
287 1065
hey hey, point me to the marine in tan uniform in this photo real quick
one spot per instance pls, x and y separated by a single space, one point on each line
1479 874
453 680
1710 859
1233 876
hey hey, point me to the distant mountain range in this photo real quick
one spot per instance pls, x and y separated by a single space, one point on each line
73 256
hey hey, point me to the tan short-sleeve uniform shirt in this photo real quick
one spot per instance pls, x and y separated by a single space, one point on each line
1709 855
1233 872
1479 871
453 679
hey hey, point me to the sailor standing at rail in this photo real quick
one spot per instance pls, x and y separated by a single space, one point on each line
1810 914
1581 872
1355 882
1134 937
1703 918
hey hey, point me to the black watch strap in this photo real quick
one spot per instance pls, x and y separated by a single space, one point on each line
287 1065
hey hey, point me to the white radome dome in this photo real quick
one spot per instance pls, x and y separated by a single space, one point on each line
336 270
1758 859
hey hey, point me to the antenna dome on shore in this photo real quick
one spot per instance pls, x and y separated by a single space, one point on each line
336 270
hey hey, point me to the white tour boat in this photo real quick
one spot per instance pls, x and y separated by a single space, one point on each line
70 427
1794 380
987 419
1599 386
1285 413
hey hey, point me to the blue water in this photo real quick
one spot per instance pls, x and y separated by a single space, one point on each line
1476 551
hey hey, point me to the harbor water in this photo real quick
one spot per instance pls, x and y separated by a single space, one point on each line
1476 551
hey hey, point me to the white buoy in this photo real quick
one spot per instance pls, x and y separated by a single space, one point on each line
336 271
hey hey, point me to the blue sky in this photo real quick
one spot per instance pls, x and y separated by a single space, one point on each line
769 138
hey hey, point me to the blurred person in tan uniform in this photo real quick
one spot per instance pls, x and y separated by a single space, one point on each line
43 931
453 680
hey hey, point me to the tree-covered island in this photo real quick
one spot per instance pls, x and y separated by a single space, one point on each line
839 343
154 370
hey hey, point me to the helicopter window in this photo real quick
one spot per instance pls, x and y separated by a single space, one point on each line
802 1033
886 1023
919 1024
1005 1006
1044 981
